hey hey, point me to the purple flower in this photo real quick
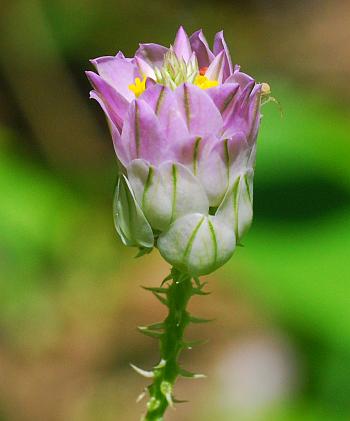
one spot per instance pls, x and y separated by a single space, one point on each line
184 123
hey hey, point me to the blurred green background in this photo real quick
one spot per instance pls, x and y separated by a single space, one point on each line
279 348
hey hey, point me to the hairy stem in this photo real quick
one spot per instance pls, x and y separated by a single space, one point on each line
171 336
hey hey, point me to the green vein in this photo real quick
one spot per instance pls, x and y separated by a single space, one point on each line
187 106
227 159
213 237
147 186
195 155
137 129
174 181
191 239
228 100
160 100
248 188
235 204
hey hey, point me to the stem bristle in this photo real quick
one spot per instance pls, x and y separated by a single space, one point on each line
175 295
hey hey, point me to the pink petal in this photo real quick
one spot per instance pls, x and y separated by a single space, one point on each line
120 150
118 72
200 46
216 68
220 45
152 53
116 105
224 97
198 110
164 103
144 68
142 134
245 115
182 46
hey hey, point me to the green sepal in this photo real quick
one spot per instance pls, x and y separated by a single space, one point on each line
129 220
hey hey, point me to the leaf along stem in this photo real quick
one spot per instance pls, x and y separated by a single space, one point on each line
176 297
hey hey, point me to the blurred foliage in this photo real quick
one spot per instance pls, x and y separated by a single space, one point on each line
64 275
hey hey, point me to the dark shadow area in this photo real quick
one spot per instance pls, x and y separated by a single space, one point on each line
299 198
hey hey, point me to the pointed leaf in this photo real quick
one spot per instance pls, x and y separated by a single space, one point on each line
179 400
161 364
160 290
144 373
153 326
190 375
196 320
141 396
161 299
150 333
182 45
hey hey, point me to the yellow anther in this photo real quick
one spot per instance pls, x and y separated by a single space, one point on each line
204 83
138 87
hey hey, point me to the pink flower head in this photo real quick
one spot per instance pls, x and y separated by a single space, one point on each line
184 123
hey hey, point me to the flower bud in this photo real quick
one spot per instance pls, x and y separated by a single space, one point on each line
197 244
184 123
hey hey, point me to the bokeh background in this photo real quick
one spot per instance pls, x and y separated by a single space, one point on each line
279 348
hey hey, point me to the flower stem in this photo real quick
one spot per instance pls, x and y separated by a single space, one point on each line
171 336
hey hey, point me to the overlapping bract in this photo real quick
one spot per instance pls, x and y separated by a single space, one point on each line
187 154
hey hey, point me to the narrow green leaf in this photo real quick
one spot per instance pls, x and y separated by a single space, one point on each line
189 375
159 290
194 319
154 326
179 400
166 279
161 299
197 291
150 333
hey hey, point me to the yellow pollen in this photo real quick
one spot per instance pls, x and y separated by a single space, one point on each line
138 87
204 83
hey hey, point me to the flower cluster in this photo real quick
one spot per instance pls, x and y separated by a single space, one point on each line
184 123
